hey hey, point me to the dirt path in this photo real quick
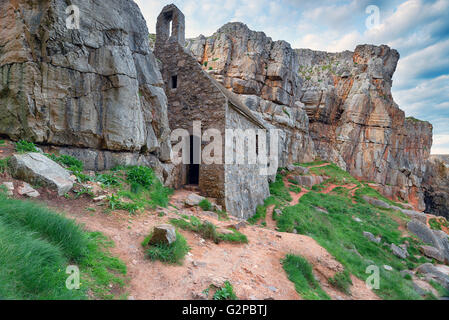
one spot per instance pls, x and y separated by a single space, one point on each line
254 269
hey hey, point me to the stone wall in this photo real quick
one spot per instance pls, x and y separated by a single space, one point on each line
245 187
98 87
196 98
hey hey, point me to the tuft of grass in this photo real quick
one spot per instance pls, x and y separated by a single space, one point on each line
225 293
205 205
279 190
24 146
36 247
4 165
208 230
299 271
171 254
141 175
342 281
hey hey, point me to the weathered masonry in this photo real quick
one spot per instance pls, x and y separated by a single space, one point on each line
193 95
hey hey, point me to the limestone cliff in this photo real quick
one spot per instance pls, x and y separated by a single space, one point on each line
436 185
95 90
335 105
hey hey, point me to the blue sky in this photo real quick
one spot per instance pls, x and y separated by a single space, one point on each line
418 29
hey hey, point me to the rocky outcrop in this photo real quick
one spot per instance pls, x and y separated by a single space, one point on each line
335 105
263 73
93 88
436 185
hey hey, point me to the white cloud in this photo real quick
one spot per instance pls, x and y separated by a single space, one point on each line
440 144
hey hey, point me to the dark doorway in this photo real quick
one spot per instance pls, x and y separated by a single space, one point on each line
194 166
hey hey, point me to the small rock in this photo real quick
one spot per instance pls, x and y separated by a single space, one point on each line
278 212
199 296
100 198
210 214
398 251
274 289
164 233
357 220
27 190
193 200
371 237
225 231
322 210
239 225
388 268
131 298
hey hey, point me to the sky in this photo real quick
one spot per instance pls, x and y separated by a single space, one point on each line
418 29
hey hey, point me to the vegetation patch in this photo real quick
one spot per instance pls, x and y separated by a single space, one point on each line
343 238
205 205
24 146
168 253
208 230
3 165
342 281
299 271
37 247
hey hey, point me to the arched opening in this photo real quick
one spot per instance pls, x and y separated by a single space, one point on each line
193 171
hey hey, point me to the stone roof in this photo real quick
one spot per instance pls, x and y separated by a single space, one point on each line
235 102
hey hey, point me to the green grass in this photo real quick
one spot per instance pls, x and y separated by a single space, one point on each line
171 254
442 292
438 223
342 237
278 189
3 165
36 247
311 164
299 271
336 175
225 293
342 281
205 205
24 146
370 192
208 230
135 189
2 143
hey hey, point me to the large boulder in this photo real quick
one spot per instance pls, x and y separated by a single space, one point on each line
97 87
434 273
436 238
37 169
308 181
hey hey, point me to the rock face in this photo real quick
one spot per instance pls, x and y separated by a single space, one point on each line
436 185
263 73
335 105
97 87
37 169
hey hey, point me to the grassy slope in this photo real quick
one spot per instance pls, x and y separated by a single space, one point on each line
36 247
343 237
